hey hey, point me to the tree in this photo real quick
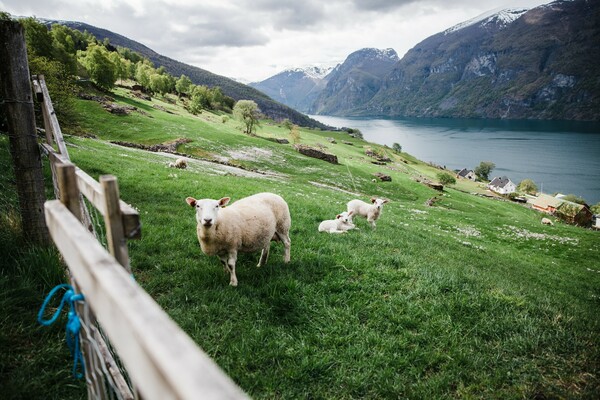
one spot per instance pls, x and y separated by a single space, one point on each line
287 124
295 134
143 71
484 169
446 179
120 66
183 85
38 38
397 148
159 83
527 186
200 99
247 111
595 208
98 65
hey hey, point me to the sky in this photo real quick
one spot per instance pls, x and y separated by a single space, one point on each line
251 40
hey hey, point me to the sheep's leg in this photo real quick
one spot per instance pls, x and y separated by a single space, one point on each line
231 265
287 243
372 222
264 255
224 263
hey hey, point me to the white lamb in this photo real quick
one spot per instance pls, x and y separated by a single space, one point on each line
341 223
371 212
248 225
180 163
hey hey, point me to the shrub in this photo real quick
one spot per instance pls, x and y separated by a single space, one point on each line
528 186
445 178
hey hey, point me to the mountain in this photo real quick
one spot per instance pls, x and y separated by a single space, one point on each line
297 87
355 81
199 76
515 64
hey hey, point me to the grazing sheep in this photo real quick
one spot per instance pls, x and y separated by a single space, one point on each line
180 163
369 211
248 225
547 221
341 223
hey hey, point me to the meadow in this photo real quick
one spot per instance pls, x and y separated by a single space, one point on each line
470 298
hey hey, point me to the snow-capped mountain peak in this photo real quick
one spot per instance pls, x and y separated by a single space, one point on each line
313 71
500 16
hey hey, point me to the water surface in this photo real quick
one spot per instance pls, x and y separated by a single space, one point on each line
560 156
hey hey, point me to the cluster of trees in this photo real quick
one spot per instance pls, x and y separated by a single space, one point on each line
60 53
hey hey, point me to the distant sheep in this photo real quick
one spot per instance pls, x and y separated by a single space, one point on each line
180 163
547 221
371 212
248 225
341 223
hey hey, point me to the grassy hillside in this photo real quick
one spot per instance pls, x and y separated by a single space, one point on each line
471 298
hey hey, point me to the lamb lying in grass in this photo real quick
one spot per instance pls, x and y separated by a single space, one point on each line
341 223
248 225
180 163
371 212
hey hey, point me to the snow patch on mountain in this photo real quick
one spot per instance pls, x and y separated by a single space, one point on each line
314 72
500 16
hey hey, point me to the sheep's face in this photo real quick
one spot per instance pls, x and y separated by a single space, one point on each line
207 210
378 203
345 217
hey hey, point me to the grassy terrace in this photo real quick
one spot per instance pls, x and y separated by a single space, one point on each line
471 298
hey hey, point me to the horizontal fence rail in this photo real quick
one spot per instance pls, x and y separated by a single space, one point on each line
160 358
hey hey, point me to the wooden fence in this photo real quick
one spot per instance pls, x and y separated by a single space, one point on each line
161 361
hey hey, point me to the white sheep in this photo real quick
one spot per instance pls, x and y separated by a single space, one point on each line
341 223
547 221
369 211
180 163
248 225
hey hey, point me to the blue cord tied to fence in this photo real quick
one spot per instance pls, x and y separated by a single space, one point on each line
73 323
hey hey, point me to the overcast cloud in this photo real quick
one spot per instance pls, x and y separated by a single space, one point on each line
251 40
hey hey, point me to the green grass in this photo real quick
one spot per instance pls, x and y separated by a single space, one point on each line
34 361
459 300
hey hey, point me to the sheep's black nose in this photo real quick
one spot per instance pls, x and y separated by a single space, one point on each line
207 221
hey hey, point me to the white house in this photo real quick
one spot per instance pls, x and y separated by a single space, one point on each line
467 174
502 185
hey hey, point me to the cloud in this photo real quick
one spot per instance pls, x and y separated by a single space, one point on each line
255 39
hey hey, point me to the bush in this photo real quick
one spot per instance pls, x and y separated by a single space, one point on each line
446 178
527 186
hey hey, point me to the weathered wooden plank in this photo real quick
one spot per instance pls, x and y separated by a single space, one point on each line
161 359
39 95
92 190
117 246
52 120
113 368
67 186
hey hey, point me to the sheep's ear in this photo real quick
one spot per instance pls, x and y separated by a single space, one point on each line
350 213
224 201
373 199
191 201
338 216
385 201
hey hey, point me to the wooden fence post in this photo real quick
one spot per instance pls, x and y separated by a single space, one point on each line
69 196
18 99
117 245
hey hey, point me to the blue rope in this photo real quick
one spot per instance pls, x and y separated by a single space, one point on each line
73 323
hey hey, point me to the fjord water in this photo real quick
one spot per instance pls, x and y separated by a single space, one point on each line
560 156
